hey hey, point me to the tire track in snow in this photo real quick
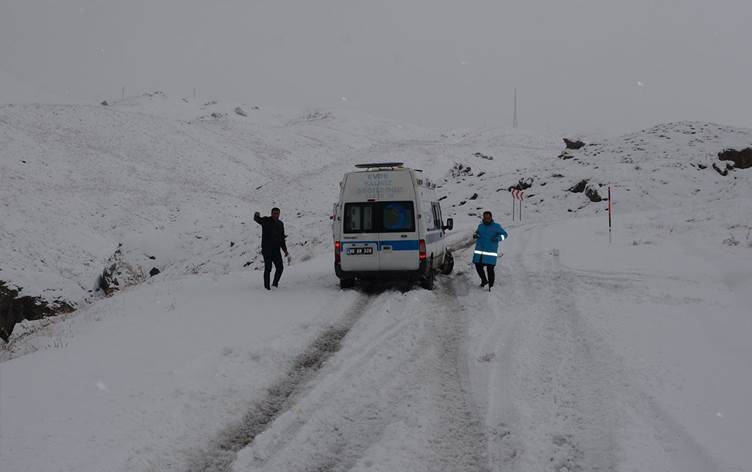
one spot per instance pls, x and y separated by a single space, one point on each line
610 395
221 453
461 441
584 417
565 397
394 398
550 404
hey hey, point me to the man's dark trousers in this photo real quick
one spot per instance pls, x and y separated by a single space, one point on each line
491 274
272 256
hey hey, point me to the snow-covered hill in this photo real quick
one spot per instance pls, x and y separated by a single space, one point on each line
155 182
626 351
175 183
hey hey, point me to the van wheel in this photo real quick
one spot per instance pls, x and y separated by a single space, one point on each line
448 265
428 280
346 283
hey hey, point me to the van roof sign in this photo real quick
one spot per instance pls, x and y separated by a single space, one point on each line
379 165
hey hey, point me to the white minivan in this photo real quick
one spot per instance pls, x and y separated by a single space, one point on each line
388 225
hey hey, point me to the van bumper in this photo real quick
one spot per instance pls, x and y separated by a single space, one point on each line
382 274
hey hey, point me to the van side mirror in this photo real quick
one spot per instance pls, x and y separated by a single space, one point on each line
449 224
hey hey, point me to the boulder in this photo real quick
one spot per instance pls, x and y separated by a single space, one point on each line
460 170
723 172
483 156
741 159
522 184
14 309
573 144
525 183
579 187
119 274
592 194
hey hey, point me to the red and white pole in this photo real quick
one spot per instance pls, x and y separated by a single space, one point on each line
609 214
522 197
516 195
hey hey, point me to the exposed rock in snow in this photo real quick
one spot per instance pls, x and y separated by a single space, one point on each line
741 159
120 274
724 171
460 170
483 156
579 187
573 144
15 308
592 193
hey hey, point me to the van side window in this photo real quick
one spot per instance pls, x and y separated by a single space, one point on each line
358 218
436 210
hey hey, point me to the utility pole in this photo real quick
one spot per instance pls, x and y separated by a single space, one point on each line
514 118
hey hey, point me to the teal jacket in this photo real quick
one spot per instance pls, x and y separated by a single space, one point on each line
487 244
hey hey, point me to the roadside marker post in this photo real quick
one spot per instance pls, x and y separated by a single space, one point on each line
609 214
517 195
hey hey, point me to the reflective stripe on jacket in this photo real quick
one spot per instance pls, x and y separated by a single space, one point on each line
487 245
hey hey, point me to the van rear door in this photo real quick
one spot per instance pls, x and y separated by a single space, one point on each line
398 235
360 240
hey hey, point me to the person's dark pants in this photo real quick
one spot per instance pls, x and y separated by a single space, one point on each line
272 257
491 274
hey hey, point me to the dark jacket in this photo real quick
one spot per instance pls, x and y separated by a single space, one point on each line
272 233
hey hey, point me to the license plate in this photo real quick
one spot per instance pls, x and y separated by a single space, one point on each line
357 251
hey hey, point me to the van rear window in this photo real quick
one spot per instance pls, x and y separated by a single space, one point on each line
359 218
397 217
379 217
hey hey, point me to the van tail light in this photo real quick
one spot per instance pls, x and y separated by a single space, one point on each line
337 249
422 250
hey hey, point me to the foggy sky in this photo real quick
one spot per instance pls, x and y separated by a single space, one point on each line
578 65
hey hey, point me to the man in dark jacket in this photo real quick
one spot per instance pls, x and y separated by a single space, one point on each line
272 240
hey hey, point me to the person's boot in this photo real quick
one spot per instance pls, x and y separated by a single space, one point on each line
482 275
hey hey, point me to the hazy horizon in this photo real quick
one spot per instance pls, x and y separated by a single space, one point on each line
585 66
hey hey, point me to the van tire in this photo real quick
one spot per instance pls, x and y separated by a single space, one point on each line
346 283
448 266
428 281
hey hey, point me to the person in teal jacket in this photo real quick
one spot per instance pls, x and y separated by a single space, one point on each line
488 235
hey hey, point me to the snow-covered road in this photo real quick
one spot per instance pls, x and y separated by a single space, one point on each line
396 397
203 373
558 396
